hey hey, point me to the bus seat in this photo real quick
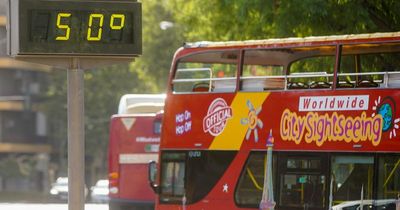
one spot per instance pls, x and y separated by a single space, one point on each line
319 85
345 84
297 85
259 85
201 87
256 85
224 86
367 83
274 84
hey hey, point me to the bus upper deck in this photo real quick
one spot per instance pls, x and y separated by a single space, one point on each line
332 62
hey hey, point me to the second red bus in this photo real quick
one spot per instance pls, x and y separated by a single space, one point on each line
134 142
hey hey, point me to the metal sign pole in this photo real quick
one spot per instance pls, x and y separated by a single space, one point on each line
76 137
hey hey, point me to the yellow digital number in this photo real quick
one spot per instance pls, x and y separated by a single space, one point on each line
63 26
100 31
120 25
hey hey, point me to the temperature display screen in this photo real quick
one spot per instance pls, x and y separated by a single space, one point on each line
85 27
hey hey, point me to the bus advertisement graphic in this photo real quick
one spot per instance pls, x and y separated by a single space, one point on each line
322 127
218 113
252 121
387 109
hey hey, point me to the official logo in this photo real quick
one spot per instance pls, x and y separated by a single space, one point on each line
218 113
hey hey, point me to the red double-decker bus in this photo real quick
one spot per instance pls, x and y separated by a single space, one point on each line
134 142
296 123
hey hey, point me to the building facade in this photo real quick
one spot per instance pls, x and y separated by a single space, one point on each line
24 145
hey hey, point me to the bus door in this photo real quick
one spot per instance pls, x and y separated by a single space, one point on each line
302 181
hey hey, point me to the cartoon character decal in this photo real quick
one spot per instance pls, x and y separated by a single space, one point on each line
252 121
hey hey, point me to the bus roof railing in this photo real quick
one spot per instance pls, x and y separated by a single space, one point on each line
203 79
281 82
194 70
335 39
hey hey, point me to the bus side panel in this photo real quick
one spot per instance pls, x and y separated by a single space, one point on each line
355 120
223 193
137 146
134 183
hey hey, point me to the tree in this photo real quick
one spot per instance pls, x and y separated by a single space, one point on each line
220 20
159 44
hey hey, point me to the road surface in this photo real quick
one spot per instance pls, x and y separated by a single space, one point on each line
47 206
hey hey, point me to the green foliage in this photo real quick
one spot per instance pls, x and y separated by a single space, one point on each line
219 20
103 89
16 166
158 45
56 110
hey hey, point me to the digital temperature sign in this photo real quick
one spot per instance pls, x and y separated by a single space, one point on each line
75 27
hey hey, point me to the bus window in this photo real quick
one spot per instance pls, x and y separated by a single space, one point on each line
193 80
262 77
204 169
191 174
312 72
365 66
206 72
303 163
250 186
302 181
172 177
261 73
389 177
360 71
346 77
352 177
157 126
